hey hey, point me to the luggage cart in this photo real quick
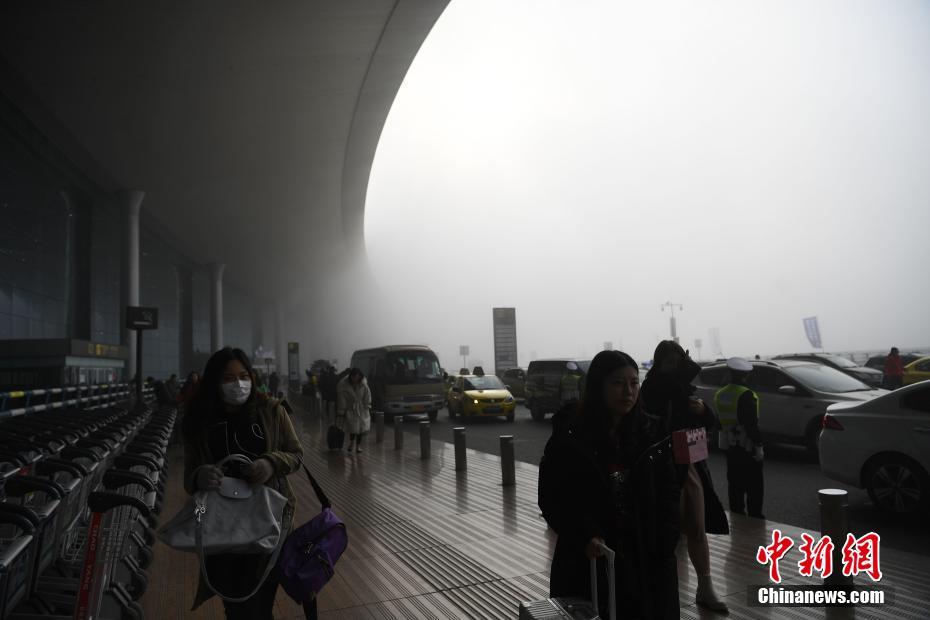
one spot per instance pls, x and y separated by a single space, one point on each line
100 593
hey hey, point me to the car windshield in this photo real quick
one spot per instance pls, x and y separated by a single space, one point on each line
413 367
840 361
489 382
825 379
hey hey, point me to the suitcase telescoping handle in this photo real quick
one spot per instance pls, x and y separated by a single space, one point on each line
611 581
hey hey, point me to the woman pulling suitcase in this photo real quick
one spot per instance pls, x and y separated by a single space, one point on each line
607 476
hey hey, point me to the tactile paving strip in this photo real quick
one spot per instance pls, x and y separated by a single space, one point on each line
445 567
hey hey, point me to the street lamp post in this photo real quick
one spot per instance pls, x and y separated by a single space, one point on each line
672 307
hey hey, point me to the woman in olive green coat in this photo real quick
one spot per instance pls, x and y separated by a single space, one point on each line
227 416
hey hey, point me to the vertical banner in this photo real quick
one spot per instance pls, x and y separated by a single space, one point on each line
505 339
812 329
293 364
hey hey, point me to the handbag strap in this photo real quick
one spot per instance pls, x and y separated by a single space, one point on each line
320 495
272 562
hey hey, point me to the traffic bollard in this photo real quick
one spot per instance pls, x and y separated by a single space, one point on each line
424 440
379 426
834 522
398 432
458 434
508 471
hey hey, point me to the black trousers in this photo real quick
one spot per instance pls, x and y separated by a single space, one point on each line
745 482
236 576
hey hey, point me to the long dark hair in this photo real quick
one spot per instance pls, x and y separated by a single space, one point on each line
207 401
593 408
663 350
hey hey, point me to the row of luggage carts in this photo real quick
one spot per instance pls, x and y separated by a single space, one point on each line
81 485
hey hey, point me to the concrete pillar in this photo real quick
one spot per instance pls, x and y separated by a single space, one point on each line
216 306
130 202
185 320
280 346
257 329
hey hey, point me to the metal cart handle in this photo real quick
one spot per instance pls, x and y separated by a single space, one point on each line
116 478
50 466
17 486
102 501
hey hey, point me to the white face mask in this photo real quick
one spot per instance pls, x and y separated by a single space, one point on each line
236 392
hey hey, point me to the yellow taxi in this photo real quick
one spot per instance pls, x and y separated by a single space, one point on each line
918 370
480 396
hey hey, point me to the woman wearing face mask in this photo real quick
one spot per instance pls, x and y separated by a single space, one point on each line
228 416
607 477
353 400
667 392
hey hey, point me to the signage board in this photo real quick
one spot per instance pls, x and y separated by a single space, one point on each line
138 317
505 339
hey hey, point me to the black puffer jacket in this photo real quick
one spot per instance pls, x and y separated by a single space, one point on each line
637 517
670 400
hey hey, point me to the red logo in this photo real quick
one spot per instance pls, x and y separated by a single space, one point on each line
860 555
773 553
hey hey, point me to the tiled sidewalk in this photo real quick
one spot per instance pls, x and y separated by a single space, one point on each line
429 542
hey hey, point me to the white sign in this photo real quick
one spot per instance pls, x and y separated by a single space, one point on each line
463 350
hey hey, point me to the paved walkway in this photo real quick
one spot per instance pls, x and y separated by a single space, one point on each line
429 542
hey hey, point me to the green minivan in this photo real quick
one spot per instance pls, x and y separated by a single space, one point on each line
553 383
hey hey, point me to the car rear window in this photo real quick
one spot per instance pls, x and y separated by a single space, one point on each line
825 379
547 367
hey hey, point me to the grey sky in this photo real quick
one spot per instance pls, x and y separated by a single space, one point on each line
585 162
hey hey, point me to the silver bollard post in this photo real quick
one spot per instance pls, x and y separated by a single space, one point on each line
424 440
379 426
458 434
508 471
398 432
834 522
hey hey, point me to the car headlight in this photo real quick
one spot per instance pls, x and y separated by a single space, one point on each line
476 401
509 399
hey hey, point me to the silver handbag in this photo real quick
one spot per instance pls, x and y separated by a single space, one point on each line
237 518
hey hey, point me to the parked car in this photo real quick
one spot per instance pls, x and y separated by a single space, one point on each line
515 380
793 395
553 383
878 361
883 446
918 370
481 395
869 376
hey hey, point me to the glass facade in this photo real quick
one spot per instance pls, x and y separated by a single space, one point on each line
34 241
60 262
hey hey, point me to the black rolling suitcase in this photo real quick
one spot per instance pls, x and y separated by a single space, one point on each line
575 608
335 436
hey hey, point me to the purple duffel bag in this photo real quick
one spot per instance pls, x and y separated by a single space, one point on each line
308 558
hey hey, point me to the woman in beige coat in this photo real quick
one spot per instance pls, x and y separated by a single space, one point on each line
353 400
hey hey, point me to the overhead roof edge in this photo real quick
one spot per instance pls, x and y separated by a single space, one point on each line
404 32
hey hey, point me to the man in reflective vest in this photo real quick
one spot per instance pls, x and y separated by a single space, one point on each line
738 409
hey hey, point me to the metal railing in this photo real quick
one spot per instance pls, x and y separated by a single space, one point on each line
24 402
